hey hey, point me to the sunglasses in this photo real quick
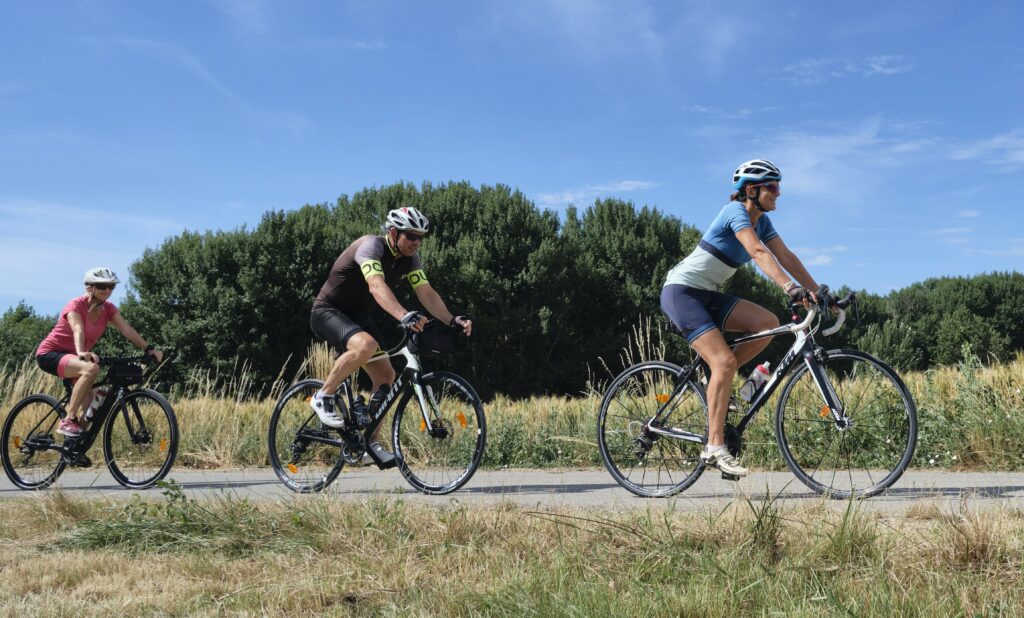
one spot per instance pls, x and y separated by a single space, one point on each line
412 237
103 286
771 185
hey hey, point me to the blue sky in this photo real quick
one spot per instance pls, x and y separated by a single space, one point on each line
899 127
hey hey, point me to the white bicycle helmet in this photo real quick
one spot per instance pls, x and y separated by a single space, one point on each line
755 172
100 274
408 219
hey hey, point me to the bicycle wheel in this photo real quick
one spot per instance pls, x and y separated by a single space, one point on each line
441 457
305 454
31 453
643 462
140 439
865 452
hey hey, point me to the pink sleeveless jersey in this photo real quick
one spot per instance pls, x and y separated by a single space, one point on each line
62 338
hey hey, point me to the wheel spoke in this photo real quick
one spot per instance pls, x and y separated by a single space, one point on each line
877 432
646 463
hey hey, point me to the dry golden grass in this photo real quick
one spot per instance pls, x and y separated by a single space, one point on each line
320 556
970 417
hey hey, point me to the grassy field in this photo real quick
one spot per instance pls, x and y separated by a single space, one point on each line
319 556
969 417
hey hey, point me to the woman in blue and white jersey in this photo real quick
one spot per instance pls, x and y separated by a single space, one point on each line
740 233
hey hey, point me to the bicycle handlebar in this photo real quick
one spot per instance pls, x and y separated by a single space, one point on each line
841 304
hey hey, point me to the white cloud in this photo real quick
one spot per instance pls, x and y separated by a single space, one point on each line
951 235
737 114
819 256
1005 151
1011 248
967 214
589 193
10 89
45 247
61 222
817 70
648 34
251 16
188 61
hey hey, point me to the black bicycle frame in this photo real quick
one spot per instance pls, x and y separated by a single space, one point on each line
411 373
803 348
81 444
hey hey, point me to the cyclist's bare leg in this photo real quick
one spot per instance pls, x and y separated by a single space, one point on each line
712 348
748 317
381 372
86 372
358 350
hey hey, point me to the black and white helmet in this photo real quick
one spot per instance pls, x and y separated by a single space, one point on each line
100 274
755 172
407 219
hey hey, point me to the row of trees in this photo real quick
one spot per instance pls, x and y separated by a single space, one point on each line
549 297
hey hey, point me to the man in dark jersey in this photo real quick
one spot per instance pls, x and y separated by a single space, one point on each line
364 274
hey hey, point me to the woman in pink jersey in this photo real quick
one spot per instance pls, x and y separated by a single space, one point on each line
66 350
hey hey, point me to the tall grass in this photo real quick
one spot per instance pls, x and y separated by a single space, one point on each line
970 416
322 556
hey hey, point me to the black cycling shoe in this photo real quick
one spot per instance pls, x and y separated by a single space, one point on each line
82 461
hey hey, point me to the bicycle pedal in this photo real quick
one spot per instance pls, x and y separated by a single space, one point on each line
729 477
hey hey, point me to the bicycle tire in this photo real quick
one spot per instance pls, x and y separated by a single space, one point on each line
442 458
304 466
140 439
22 432
882 431
626 446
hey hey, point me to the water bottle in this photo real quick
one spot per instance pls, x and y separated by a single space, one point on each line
754 383
101 394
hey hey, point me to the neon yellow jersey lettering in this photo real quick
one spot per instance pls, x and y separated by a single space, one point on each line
417 278
372 268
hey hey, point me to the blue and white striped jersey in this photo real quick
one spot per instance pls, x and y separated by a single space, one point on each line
719 253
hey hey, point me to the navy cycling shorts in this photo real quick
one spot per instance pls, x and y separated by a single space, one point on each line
695 311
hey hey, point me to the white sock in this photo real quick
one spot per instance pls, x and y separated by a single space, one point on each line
709 448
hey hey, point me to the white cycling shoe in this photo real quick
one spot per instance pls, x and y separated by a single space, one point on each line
721 459
324 408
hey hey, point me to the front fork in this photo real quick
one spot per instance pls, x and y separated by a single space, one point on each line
814 358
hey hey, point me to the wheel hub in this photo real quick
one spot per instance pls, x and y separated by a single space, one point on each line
440 429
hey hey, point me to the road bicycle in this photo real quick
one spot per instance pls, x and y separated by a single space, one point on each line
437 434
845 423
140 431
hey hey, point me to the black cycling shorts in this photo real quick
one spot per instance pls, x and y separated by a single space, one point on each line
695 311
337 327
51 362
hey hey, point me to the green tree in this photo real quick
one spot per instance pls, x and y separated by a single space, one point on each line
21 332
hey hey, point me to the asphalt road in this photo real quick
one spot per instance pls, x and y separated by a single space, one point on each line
592 489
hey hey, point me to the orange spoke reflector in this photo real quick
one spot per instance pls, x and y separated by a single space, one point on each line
163 445
17 442
293 468
662 398
423 425
824 412
462 419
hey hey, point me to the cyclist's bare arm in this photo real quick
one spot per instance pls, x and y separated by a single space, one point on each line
132 335
791 263
435 305
78 330
762 256
385 297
